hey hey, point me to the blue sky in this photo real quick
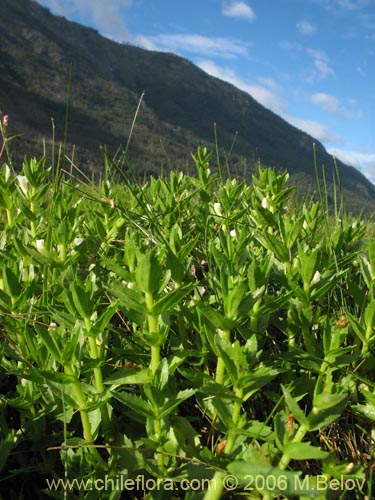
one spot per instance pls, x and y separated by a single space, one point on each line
310 61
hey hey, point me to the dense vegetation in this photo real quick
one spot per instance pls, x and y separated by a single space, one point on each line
53 68
197 337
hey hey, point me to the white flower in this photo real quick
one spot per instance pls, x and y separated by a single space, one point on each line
78 241
316 277
233 233
217 208
40 246
24 184
265 204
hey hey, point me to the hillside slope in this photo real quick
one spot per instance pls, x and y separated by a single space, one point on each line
181 104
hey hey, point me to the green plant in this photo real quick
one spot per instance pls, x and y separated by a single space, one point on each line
201 333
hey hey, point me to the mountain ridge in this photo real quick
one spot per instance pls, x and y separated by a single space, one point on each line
180 106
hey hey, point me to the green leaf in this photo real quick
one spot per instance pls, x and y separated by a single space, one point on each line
11 282
6 446
294 408
216 318
253 477
274 245
370 315
170 300
135 403
177 399
129 298
102 322
149 273
364 410
51 340
82 300
304 451
326 409
257 379
125 376
308 259
233 300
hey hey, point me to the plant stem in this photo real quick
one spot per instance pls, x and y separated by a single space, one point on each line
86 426
153 330
235 418
154 364
285 459
216 488
220 366
98 376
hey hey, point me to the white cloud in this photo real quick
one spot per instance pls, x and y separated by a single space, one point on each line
265 90
194 43
105 16
315 129
321 64
343 4
306 28
239 9
364 162
331 104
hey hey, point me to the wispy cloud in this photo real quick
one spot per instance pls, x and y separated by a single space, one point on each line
306 28
194 43
331 104
107 17
364 162
238 9
321 64
264 90
349 5
322 69
316 130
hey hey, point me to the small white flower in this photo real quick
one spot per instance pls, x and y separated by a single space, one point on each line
233 233
7 172
217 208
77 241
265 204
316 277
40 246
24 184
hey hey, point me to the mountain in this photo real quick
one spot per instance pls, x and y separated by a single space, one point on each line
54 71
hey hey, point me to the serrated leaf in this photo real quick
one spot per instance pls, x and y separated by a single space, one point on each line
170 405
135 403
